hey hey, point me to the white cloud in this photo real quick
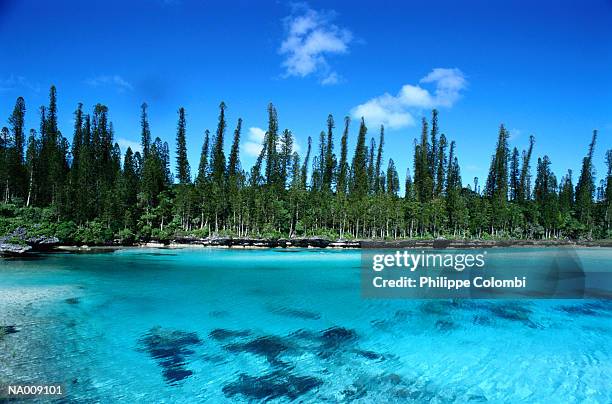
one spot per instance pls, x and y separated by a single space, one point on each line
252 147
311 38
449 83
113 80
396 111
257 134
125 143
514 134
17 82
296 145
331 79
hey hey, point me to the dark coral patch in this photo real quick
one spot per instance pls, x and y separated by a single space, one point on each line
221 334
336 339
582 310
297 313
305 335
511 311
170 348
175 374
371 355
219 314
445 325
595 309
270 347
391 388
482 320
8 329
437 307
276 385
400 316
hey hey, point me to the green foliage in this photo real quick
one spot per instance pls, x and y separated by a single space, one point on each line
89 192
93 233
270 232
126 236
182 164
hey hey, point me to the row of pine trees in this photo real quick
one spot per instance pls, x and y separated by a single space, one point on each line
93 192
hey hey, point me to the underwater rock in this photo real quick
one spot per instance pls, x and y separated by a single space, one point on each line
393 378
213 358
219 313
269 346
307 335
175 374
400 316
511 311
335 339
477 398
389 388
585 309
276 385
170 349
445 325
514 312
353 393
8 329
437 307
371 355
297 313
336 336
221 334
482 320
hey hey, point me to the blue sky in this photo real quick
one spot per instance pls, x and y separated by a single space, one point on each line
541 68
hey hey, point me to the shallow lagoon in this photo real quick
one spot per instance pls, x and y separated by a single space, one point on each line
188 325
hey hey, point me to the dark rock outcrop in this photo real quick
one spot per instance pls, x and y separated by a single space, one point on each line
11 249
19 242
439 243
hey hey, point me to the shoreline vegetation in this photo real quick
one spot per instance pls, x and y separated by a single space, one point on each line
54 192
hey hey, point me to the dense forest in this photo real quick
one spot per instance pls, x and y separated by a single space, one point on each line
88 191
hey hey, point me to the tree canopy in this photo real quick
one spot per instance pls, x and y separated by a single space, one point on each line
90 191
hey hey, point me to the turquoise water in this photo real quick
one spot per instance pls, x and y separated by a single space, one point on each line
213 325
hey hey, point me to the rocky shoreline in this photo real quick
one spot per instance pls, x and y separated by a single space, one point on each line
315 242
18 242
33 245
